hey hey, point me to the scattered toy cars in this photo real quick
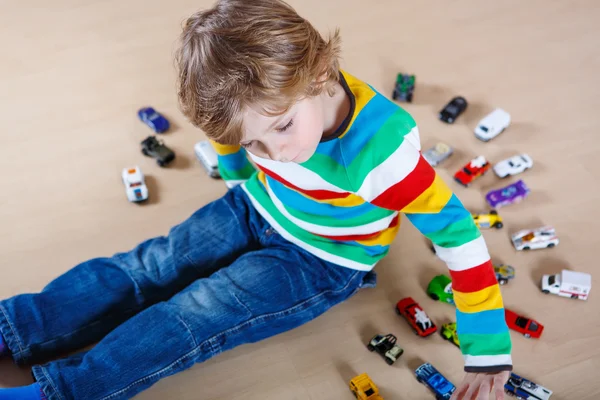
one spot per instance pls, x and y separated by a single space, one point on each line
438 153
135 185
440 288
364 388
513 165
539 238
453 109
513 193
157 122
415 316
504 273
490 220
404 88
575 285
524 389
528 327
435 381
475 168
385 345
492 125
152 147
449 333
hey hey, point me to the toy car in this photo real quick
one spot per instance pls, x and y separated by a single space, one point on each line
492 125
386 346
539 238
448 332
524 389
475 168
528 327
440 288
135 187
404 88
491 220
453 109
576 285
152 147
364 389
504 273
153 119
513 166
438 153
208 157
513 193
416 317
435 381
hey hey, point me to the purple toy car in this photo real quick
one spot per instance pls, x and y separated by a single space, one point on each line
510 194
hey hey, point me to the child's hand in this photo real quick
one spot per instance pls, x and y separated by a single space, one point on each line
478 386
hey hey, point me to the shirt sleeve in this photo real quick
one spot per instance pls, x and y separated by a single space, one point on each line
234 166
405 182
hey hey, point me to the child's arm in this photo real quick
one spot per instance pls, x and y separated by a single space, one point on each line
400 179
234 166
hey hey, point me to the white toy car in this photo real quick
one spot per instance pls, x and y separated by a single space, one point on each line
513 166
538 238
135 187
492 125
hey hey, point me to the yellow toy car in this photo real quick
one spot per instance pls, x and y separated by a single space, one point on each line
364 389
448 332
491 220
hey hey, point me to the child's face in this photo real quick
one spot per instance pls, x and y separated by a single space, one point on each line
291 137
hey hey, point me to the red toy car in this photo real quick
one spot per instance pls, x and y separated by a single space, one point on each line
416 317
528 327
475 168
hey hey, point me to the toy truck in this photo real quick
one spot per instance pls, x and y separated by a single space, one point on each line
575 285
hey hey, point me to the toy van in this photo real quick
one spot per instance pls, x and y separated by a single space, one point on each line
575 285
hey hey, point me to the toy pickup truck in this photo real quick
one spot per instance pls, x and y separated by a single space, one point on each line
575 285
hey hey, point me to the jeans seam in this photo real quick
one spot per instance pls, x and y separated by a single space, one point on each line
14 332
51 383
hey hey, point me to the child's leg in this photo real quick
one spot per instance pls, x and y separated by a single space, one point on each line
261 294
87 302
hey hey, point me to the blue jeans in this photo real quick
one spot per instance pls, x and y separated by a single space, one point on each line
220 279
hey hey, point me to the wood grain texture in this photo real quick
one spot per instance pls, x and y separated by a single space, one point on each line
74 73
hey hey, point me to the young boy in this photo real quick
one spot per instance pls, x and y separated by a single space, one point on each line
337 164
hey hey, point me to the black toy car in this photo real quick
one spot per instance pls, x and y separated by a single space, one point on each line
386 346
405 87
453 109
155 148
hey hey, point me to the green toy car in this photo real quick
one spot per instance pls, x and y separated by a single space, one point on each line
448 332
440 288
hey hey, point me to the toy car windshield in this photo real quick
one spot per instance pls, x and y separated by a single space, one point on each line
466 171
483 128
533 326
521 322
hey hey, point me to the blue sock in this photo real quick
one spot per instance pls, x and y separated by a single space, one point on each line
31 392
3 347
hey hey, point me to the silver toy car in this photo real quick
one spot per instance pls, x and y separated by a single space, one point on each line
438 153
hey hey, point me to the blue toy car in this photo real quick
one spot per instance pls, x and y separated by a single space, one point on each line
437 383
153 119
524 389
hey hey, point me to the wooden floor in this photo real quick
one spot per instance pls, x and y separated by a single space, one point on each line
73 74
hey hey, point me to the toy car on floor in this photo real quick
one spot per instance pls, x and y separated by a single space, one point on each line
513 193
453 109
440 288
504 273
492 125
448 332
438 153
474 169
528 327
524 389
364 389
157 122
208 158
576 285
135 186
490 220
385 346
420 322
513 166
152 147
404 88
539 238
435 381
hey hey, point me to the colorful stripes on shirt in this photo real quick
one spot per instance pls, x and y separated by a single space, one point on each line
343 205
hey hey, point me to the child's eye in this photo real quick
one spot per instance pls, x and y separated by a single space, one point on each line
246 145
286 127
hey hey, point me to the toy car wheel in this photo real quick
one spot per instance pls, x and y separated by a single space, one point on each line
161 163
419 380
145 152
370 347
389 361
545 291
494 212
395 95
498 225
502 281
527 335
526 248
450 120
550 245
397 311
434 296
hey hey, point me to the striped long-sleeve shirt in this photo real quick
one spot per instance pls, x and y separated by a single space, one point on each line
343 205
